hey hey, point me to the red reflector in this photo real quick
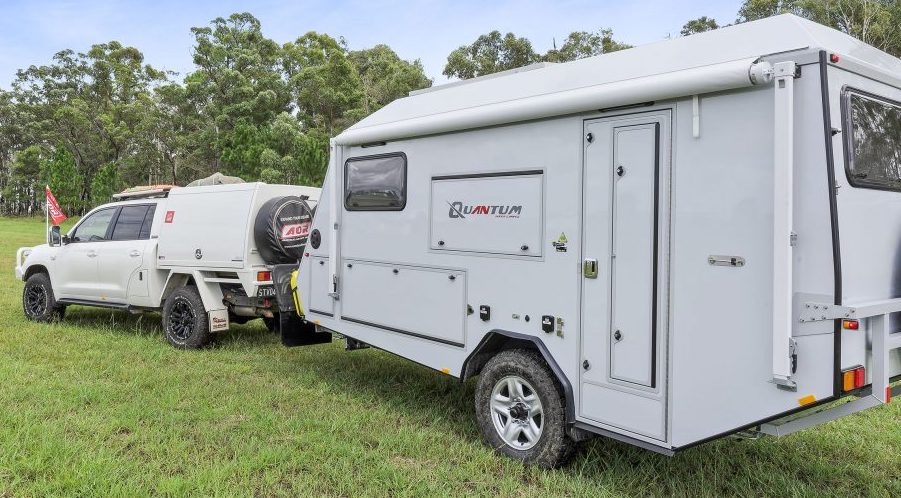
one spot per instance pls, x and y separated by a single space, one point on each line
264 276
888 394
860 377
834 58
850 324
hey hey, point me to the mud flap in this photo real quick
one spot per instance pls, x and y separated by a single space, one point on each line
296 331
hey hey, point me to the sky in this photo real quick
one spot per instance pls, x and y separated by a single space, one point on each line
32 31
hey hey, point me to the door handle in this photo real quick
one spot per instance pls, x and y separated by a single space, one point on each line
92 254
590 268
134 254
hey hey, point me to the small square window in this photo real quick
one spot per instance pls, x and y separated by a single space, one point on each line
376 183
872 141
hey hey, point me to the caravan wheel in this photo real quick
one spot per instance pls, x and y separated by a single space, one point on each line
520 409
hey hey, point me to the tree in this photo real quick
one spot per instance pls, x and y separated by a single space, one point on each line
325 83
385 76
61 175
873 21
699 25
88 104
581 44
237 86
490 53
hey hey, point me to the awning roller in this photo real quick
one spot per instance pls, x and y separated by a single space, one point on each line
695 81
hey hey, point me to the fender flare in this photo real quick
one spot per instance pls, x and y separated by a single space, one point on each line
497 340
210 293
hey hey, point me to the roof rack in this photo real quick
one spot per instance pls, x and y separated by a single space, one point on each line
144 192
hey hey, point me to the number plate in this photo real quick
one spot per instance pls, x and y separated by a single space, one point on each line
266 291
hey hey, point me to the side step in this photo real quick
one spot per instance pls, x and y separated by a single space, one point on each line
93 304
818 416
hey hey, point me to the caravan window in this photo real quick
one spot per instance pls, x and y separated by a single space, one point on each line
873 141
376 183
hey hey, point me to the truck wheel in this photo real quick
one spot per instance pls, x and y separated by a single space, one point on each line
185 320
271 323
38 301
520 409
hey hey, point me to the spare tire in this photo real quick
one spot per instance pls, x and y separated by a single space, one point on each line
281 229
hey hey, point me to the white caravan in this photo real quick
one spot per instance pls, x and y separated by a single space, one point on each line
663 245
203 256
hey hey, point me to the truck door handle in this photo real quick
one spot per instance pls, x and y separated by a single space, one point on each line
590 268
92 254
134 254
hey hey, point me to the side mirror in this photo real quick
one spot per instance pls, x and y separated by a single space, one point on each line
55 238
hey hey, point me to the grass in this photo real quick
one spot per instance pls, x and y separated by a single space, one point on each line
100 404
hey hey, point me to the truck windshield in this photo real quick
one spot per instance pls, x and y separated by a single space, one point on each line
874 135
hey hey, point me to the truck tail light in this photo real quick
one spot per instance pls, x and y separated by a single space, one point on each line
853 378
264 276
850 324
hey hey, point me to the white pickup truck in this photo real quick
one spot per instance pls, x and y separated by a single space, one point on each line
203 256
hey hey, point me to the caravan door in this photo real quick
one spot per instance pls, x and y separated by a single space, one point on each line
625 171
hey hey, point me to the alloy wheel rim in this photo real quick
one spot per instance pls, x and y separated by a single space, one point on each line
516 412
182 319
35 300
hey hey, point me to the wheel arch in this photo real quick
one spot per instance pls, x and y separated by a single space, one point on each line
210 292
498 340
34 269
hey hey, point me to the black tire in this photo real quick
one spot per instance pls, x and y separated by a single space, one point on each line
38 301
185 319
552 447
272 323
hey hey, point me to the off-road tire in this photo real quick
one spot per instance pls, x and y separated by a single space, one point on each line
554 446
185 320
38 302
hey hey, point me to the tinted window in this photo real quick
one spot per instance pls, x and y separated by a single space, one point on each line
94 227
377 183
875 141
148 222
129 223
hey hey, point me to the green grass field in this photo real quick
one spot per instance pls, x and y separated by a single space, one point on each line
100 404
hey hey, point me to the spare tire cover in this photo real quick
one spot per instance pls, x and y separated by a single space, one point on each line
282 228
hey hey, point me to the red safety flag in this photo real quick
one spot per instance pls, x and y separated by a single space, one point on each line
54 212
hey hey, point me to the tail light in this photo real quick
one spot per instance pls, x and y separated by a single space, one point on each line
264 276
850 325
853 378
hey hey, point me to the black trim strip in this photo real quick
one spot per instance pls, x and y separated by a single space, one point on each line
404 332
311 310
489 175
833 214
656 255
93 304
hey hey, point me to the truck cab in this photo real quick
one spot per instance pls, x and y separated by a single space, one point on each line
103 260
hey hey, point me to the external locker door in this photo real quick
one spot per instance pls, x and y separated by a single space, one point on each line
634 253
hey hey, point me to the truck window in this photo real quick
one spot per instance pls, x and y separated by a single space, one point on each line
129 223
94 227
376 183
873 141
148 223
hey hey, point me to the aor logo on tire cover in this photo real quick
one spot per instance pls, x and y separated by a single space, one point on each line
282 228
292 222
295 230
